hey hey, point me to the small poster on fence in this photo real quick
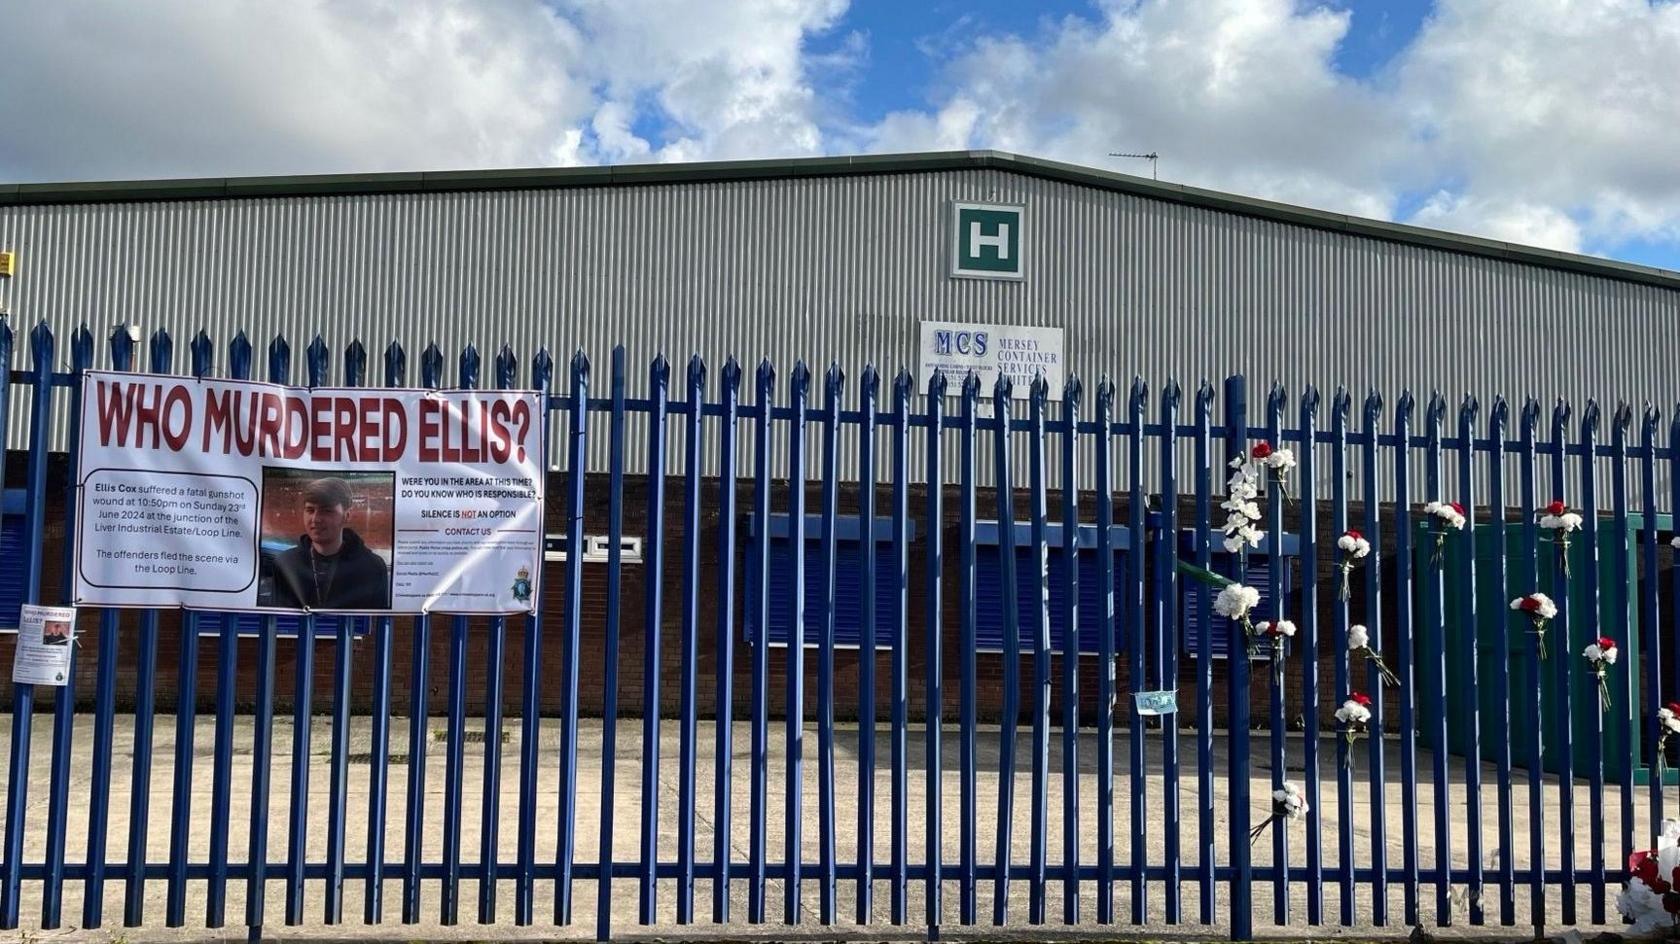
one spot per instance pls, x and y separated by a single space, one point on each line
235 495
46 637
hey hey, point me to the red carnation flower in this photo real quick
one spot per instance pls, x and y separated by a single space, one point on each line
1645 869
1361 698
1605 642
1530 605
1356 535
1458 508
1262 449
1673 706
1556 508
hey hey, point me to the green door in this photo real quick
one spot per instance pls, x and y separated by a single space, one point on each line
1618 619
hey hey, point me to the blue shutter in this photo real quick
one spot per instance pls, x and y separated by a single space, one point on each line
13 547
848 583
251 624
988 622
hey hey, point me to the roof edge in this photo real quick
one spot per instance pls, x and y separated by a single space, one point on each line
926 162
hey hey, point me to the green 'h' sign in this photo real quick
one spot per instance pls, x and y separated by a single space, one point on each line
987 241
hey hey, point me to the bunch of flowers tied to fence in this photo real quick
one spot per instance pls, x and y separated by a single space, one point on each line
1540 610
1651 898
1600 656
1279 462
1557 518
1354 549
1289 804
1354 714
1448 517
1668 722
1277 632
1359 640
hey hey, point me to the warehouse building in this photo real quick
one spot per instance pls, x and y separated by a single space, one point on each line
906 261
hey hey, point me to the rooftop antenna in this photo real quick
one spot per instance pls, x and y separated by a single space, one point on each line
1152 157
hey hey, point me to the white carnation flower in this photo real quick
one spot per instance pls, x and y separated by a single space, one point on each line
1358 636
1235 600
1353 712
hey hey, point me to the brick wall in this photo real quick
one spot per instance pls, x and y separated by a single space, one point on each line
989 668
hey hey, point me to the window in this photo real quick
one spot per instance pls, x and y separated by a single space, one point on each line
848 581
14 541
988 589
285 624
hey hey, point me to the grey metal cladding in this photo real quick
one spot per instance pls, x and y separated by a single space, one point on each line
842 268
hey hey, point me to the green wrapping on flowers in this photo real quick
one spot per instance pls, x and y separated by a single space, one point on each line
1217 581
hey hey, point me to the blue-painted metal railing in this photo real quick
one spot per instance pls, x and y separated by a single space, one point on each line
1467 668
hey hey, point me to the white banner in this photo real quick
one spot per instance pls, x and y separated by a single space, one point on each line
234 495
46 637
990 350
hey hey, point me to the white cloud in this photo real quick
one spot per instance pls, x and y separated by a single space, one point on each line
1542 122
109 88
1533 121
1515 221
181 88
1235 94
1544 108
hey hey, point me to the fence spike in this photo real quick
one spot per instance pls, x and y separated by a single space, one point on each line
355 364
1373 407
202 351
318 361
1171 394
279 359
431 366
1469 409
971 384
1589 418
81 347
542 370
239 355
833 379
1040 387
1139 394
467 375
396 365
936 387
1073 391
1309 406
1406 406
1435 412
1622 418
163 351
507 367
1276 399
903 383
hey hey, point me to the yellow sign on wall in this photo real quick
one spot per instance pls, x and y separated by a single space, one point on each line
8 262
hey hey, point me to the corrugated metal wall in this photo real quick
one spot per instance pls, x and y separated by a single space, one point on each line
842 268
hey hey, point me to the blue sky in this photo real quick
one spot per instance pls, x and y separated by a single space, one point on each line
1542 122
